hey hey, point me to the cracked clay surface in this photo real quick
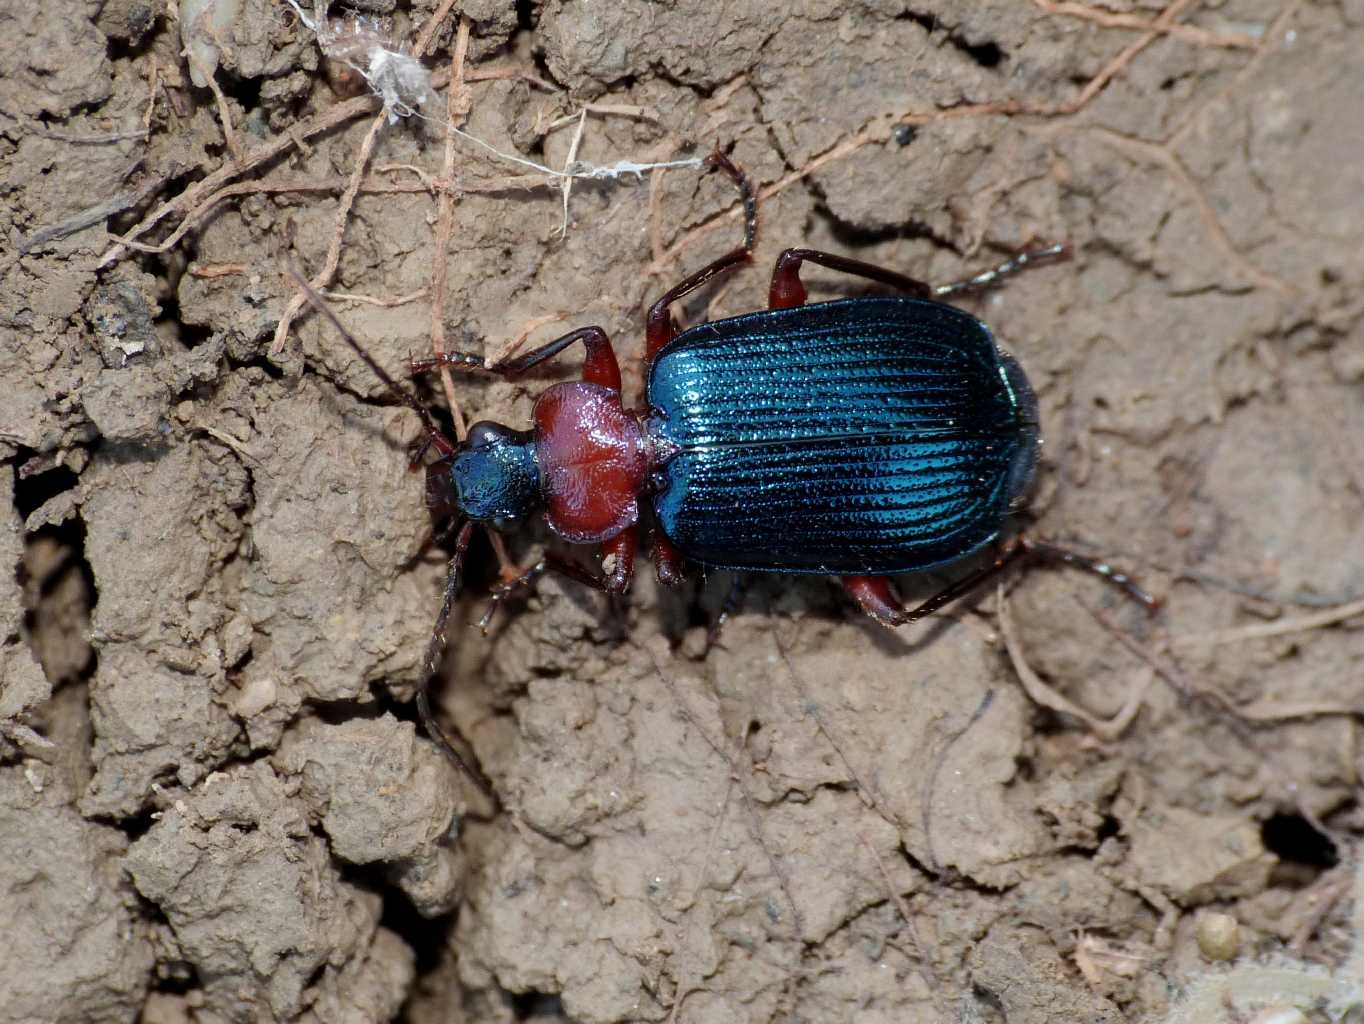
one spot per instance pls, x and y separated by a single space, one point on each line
216 801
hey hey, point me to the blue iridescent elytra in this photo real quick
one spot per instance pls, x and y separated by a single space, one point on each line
863 436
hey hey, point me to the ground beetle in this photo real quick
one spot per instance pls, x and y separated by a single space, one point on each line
859 438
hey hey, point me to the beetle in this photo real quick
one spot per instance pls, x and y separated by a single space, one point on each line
861 438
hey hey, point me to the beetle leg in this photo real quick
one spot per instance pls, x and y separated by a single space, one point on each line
435 648
618 561
459 360
787 290
659 327
667 562
1049 552
734 599
599 363
549 562
877 598
434 439
991 277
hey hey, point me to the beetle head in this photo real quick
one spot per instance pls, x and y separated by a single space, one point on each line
492 478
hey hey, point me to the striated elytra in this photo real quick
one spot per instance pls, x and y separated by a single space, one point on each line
864 436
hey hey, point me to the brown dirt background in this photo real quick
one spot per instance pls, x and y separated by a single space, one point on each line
214 802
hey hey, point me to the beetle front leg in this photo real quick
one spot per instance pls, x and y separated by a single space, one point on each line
618 564
599 361
525 582
434 439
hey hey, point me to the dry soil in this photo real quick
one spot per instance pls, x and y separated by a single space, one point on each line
216 803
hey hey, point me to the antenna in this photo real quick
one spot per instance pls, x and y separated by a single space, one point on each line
402 394
456 565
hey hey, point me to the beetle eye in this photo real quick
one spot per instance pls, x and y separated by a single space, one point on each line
483 434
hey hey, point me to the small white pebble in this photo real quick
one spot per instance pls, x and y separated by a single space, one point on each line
1218 936
1280 1015
36 774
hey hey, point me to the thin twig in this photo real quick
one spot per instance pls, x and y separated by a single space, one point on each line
608 109
210 75
1163 668
1164 21
89 217
656 215
527 329
188 201
223 437
930 782
1279 627
739 773
374 300
201 212
864 791
212 270
895 896
42 131
1266 47
1164 156
23 736
568 166
878 130
496 74
455 109
427 36
1040 693
153 79
1344 449
1317 901
1111 19
1279 711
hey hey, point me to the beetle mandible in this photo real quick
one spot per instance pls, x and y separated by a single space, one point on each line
859 438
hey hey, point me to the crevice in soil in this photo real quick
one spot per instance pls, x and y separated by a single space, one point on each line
543 1006
1296 841
173 977
525 15
56 580
427 937
986 53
